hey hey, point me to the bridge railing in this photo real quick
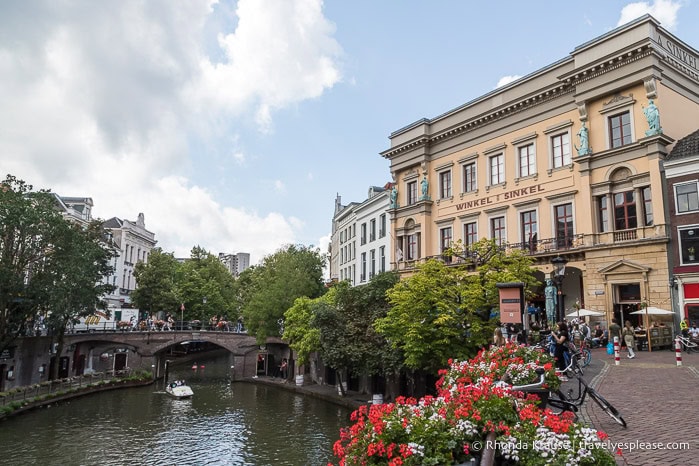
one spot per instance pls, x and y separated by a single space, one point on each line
144 326
59 386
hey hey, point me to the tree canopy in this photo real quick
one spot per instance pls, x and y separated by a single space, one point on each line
291 272
156 290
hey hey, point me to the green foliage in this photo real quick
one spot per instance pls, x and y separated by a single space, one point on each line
273 286
156 283
204 276
298 331
442 311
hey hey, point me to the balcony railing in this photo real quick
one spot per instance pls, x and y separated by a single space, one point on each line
571 243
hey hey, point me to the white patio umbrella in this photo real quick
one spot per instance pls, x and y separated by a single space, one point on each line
585 313
651 311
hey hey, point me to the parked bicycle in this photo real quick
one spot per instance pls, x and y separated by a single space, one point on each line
567 402
586 354
687 344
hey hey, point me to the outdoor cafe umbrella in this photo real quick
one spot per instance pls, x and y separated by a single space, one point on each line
651 311
585 313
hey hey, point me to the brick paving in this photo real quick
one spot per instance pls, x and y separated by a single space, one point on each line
657 399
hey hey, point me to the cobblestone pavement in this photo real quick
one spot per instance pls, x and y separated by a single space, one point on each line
658 401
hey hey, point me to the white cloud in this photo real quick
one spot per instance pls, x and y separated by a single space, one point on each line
105 99
279 186
664 11
505 80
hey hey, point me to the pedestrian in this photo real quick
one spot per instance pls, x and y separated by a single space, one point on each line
498 338
561 338
283 369
629 339
615 331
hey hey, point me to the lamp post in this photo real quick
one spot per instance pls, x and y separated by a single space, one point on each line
559 271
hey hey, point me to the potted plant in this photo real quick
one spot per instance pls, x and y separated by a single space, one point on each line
690 252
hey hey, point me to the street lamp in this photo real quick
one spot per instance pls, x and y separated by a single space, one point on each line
559 272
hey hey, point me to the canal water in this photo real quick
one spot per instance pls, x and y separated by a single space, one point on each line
223 424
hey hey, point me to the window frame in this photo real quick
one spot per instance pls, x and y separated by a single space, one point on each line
501 237
500 173
676 194
684 243
473 175
567 238
530 148
411 194
445 184
626 206
610 128
523 223
382 225
566 158
470 234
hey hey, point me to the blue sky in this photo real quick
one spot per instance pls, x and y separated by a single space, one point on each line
233 124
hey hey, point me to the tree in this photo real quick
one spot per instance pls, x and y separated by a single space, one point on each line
28 220
74 282
204 276
289 273
156 283
443 311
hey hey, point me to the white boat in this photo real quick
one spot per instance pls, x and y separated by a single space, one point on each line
178 389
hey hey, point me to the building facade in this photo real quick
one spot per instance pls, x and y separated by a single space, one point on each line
360 246
565 162
682 173
133 243
235 263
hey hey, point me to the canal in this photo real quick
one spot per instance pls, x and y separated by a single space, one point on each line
223 424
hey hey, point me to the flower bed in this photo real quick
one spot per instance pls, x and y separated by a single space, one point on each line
471 405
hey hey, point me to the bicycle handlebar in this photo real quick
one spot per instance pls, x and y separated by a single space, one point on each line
542 376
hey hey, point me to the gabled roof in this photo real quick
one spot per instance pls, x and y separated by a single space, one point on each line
688 146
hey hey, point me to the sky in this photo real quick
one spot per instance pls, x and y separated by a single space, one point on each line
233 125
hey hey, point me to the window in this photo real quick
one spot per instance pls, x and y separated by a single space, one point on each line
372 229
412 247
687 197
529 229
382 225
363 233
372 261
603 214
564 225
382 259
527 160
470 183
620 130
625 216
689 245
560 149
412 192
342 256
470 234
362 277
647 206
445 238
497 230
445 185
497 169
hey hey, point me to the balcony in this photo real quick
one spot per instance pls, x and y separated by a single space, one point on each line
570 244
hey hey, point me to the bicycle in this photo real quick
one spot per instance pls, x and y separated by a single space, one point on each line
585 350
569 403
687 344
573 358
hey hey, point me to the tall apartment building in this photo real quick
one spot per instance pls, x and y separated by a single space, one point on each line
360 246
565 162
133 243
235 263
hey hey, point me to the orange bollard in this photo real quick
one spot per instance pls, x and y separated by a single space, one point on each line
678 351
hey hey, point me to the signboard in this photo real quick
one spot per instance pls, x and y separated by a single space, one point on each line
511 305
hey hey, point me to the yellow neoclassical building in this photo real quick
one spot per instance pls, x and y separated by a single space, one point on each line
565 162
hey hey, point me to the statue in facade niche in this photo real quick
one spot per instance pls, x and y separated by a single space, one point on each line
394 197
653 116
550 293
425 186
584 148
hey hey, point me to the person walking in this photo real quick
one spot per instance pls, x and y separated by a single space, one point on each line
629 339
615 331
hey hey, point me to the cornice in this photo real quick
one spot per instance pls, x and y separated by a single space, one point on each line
566 85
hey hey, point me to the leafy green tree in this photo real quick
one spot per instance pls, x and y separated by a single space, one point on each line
289 273
28 220
299 331
74 282
442 311
205 286
156 283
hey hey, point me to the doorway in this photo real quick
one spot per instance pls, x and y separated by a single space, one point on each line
119 361
627 299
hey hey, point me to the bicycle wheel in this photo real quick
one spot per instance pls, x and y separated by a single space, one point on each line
586 357
606 407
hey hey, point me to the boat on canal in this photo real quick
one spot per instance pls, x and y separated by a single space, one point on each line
179 389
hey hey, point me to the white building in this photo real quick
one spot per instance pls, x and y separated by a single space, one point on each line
75 209
133 243
235 263
361 244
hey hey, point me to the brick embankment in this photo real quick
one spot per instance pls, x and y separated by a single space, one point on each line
658 401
